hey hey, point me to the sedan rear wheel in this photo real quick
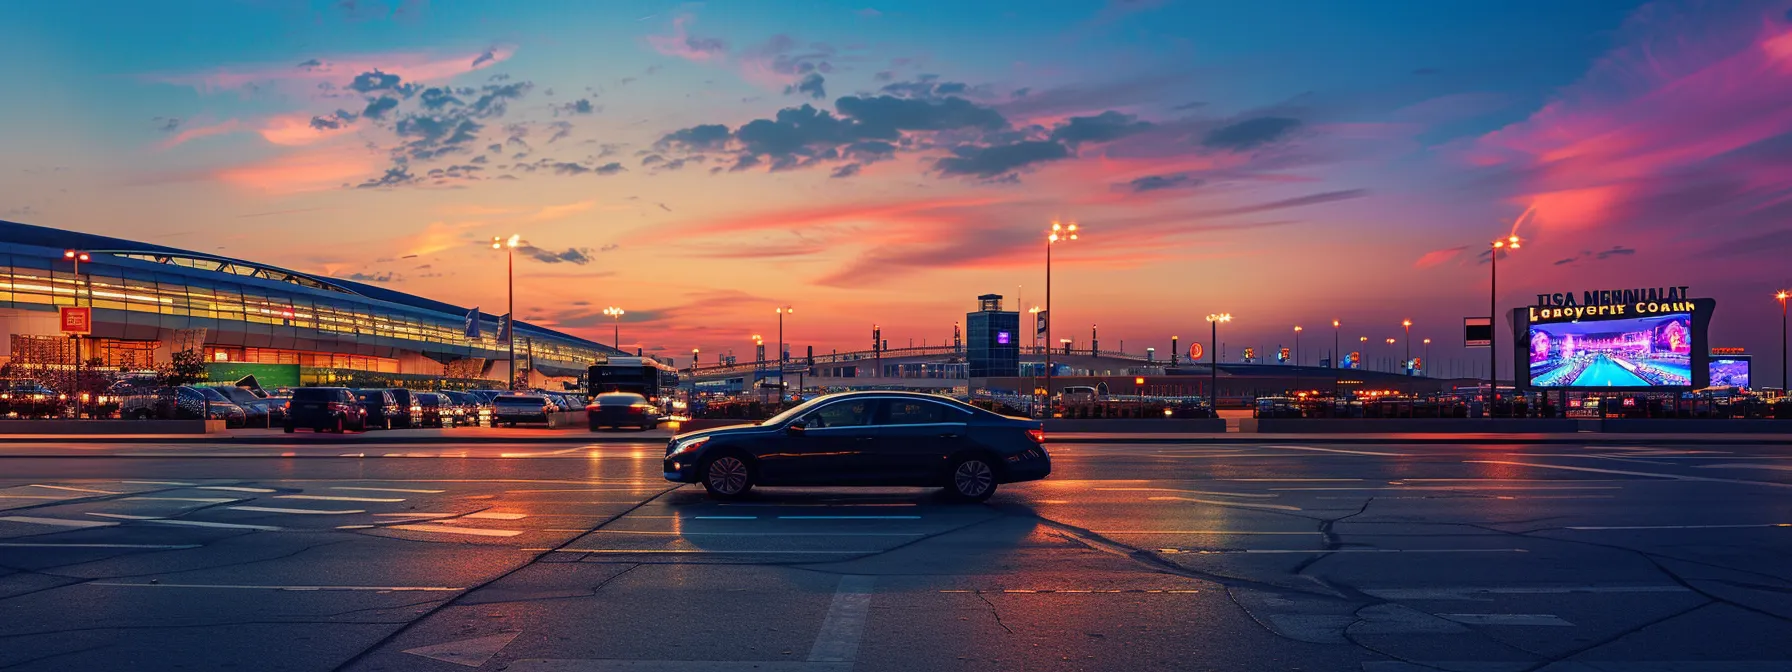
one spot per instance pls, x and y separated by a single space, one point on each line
727 476
973 480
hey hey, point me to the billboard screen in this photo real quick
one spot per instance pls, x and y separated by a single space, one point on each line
1729 372
1653 351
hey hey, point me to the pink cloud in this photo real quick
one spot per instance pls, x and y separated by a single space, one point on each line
686 46
411 66
1436 257
197 132
307 171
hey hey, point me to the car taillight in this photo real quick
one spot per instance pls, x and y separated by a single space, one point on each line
1037 435
287 406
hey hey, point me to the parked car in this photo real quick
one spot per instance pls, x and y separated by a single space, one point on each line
433 409
30 399
622 409
866 438
488 396
511 409
261 412
407 401
382 410
219 407
467 406
325 409
159 403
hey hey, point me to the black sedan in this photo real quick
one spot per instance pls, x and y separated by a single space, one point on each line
622 409
866 439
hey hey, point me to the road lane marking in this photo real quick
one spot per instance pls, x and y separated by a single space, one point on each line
302 589
122 516
1508 619
1678 527
303 512
158 547
410 490
1208 532
749 534
59 522
1197 492
844 624
1247 505
48 497
159 483
475 652
444 529
1340 451
335 498
1739 465
1291 480
1461 488
1471 592
1647 474
494 515
233 488
1371 550
415 514
638 551
722 517
221 526
201 500
68 489
849 517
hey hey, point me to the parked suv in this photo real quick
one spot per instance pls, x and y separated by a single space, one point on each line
407 402
381 408
324 409
510 409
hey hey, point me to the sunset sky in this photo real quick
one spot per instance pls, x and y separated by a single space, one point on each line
885 162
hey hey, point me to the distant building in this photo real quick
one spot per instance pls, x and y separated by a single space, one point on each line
992 339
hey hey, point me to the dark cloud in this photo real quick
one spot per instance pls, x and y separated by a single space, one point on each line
580 106
484 57
438 98
312 64
652 159
1296 202
166 124
577 256
433 136
561 130
847 170
494 148
493 97
1250 133
377 108
885 117
1616 251
610 168
398 175
1190 105
369 82
884 76
333 121
696 138
1104 127
479 159
781 54
382 276
1000 160
869 151
812 85
1161 182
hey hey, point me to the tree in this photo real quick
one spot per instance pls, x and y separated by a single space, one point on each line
186 367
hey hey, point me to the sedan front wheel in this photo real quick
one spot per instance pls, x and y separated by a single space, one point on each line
727 477
972 479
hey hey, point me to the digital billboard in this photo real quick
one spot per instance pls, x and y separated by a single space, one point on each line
1635 352
1729 371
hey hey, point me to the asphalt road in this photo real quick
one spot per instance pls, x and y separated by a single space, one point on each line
1480 558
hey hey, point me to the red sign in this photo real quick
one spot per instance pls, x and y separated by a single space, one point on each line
1195 351
77 320
1728 351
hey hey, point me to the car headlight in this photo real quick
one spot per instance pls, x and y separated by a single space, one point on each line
687 445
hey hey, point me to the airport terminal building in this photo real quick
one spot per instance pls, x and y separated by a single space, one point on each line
148 301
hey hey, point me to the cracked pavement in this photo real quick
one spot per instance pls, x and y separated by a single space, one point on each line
1384 558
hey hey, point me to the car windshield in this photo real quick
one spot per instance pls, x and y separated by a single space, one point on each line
799 409
237 394
211 393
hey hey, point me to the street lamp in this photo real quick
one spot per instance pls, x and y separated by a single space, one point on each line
1390 348
615 326
1407 364
1427 349
1214 320
782 311
1059 233
1034 311
78 257
1782 297
1337 355
1493 286
509 247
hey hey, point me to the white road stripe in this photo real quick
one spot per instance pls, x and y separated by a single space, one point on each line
122 516
1208 532
201 500
724 517
1678 527
1462 488
382 589
444 529
1376 550
1247 505
1648 474
221 526
844 626
233 488
755 534
420 492
1508 619
494 515
306 512
1475 592
849 517
1339 450
59 522
1197 492
159 483
637 551
334 498
174 547
68 489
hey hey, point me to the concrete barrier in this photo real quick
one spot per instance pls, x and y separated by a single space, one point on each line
1405 425
567 420
159 427
1119 426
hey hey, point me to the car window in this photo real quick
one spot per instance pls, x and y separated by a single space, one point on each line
916 412
852 413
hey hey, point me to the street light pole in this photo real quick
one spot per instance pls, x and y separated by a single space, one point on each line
782 311
1213 390
1427 350
1782 297
78 257
509 247
1059 232
1297 331
1337 352
1363 343
615 326
1407 363
1493 285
